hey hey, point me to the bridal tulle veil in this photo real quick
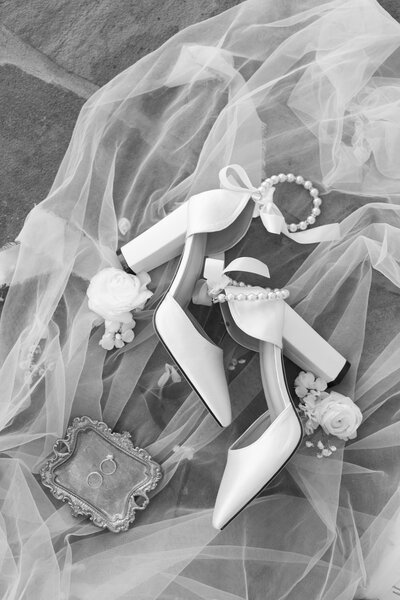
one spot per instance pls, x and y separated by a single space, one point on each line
303 86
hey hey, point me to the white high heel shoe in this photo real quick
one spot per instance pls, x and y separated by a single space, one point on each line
262 451
208 223
269 443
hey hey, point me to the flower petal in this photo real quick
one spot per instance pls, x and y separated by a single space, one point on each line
127 336
112 326
127 326
163 379
107 342
125 317
124 225
320 384
300 391
176 378
305 379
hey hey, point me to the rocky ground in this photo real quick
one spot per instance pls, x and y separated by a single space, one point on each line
53 56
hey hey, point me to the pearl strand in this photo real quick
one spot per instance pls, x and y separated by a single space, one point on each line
299 180
267 294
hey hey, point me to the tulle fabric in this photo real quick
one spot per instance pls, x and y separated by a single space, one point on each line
304 86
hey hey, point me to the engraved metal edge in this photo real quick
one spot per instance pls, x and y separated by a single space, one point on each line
80 506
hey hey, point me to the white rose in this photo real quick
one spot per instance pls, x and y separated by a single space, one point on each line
338 415
113 293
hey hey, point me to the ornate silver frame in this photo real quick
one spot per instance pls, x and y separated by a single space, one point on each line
86 444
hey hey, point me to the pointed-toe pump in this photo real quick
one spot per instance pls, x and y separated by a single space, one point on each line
264 449
209 223
260 319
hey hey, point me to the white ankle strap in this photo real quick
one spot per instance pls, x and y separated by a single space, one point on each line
215 278
254 318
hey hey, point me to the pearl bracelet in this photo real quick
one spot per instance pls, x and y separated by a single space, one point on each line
266 294
308 185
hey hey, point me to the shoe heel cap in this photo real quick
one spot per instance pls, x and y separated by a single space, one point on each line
341 375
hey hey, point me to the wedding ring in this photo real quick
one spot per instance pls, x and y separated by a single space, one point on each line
94 479
108 466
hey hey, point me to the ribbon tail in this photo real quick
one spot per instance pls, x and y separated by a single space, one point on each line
270 215
273 223
248 265
235 178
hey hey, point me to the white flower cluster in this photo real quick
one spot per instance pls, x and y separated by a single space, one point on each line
117 334
235 362
113 294
338 415
324 450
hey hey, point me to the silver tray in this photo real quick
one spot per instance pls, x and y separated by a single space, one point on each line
100 474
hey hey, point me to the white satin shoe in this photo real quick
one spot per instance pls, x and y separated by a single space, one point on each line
271 327
208 223
264 449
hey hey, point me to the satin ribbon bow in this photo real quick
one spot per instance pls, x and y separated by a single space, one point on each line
272 218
